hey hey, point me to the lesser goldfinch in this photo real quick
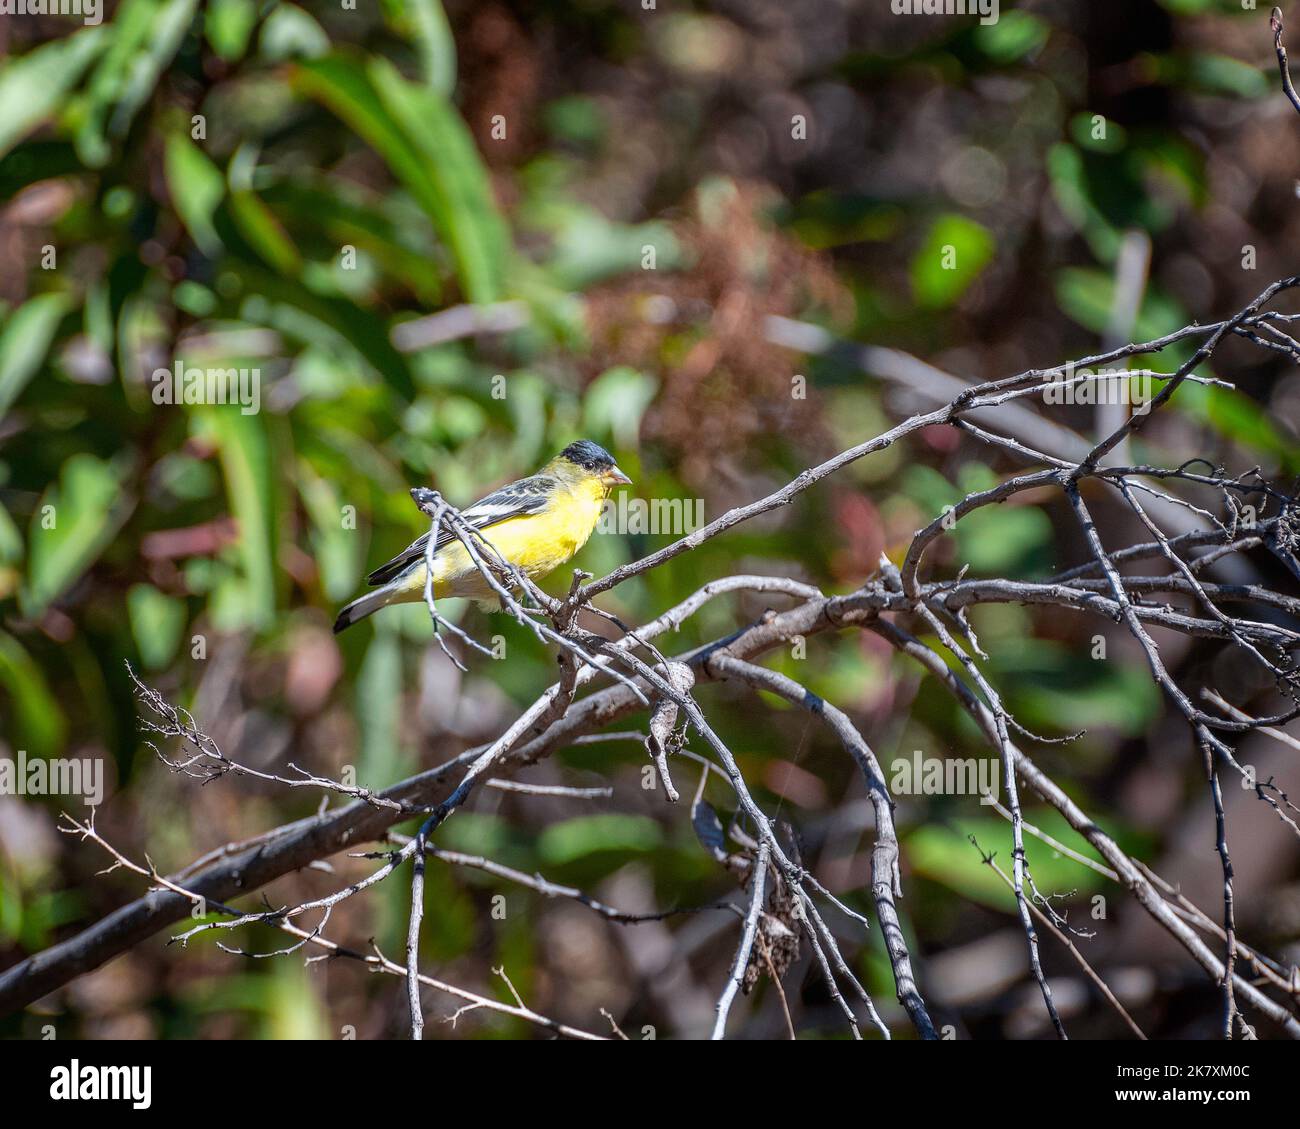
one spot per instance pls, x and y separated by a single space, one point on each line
537 523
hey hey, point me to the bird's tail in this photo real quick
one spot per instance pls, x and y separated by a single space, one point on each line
366 605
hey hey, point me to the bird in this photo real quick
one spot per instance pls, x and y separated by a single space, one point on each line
537 523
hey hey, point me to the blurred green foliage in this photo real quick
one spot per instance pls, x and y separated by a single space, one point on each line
260 185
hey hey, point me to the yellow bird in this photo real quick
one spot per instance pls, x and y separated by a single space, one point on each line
537 524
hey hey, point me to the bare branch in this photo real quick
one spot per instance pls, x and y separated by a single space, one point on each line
1275 23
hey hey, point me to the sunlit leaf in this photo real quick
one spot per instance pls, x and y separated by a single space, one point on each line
32 87
1092 131
25 342
197 187
286 305
1007 541
347 215
1058 689
246 462
228 24
336 548
147 34
432 34
38 721
378 708
293 1007
1234 414
954 252
1086 295
1222 74
588 248
156 623
944 854
1014 35
11 542
263 231
574 839
291 33
428 147
77 517
616 401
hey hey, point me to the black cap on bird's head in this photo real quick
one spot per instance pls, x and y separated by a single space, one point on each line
588 455
594 458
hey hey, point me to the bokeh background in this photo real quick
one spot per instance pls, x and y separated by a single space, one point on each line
481 151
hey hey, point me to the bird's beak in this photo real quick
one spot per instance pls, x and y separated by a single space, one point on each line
616 477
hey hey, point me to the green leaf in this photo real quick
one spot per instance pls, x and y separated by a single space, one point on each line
38 722
11 907
462 193
478 833
951 258
429 148
588 248
11 540
33 87
931 490
1053 688
436 46
615 402
348 214
156 623
25 342
379 706
1013 36
1222 74
259 226
196 187
1071 190
76 519
1232 413
1086 295
185 478
575 839
147 34
247 467
337 549
576 120
1098 134
1004 541
945 855
130 32
290 33
293 1007
288 306
228 24
1173 164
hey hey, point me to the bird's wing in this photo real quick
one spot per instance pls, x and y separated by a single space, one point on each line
527 496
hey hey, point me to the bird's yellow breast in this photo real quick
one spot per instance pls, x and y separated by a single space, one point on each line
538 543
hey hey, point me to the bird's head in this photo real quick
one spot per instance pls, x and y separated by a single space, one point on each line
590 459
